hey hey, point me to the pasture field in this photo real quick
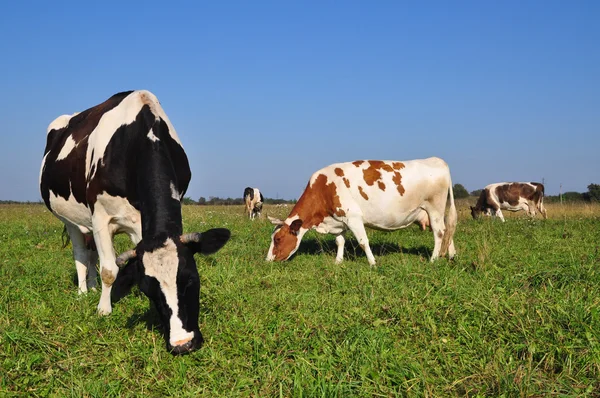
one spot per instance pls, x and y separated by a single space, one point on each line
517 313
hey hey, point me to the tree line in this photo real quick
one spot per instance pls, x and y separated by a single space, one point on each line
460 192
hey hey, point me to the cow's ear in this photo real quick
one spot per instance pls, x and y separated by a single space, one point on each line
129 275
207 242
275 221
295 226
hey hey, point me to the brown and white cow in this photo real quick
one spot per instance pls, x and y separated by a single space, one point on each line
384 195
253 199
511 196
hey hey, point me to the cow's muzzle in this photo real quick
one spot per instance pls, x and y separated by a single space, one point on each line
187 347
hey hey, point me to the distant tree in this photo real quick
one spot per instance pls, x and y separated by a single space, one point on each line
202 200
188 201
573 197
460 191
594 192
476 192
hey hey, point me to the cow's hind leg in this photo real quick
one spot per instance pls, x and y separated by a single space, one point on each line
91 269
340 241
357 227
542 210
81 256
106 253
436 222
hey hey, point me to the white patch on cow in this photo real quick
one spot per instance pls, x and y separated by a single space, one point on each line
162 264
122 216
152 137
60 122
71 210
42 169
67 148
330 226
270 255
174 192
290 220
124 114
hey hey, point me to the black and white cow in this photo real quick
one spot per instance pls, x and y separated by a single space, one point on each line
253 199
119 167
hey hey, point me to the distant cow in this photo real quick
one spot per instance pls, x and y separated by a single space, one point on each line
254 200
511 196
119 167
384 195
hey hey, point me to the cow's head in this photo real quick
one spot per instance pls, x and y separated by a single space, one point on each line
475 212
285 239
166 272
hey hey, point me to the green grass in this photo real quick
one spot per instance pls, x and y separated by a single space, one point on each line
516 314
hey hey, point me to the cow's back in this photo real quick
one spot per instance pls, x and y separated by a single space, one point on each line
95 152
389 194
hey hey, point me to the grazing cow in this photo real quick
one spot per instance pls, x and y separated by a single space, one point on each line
254 200
384 195
511 196
119 167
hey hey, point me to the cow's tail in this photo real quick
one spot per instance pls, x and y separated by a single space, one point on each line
541 208
450 221
65 237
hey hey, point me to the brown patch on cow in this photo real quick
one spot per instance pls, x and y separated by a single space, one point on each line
381 165
284 242
107 277
318 201
362 193
398 181
512 192
440 234
371 175
357 163
339 172
347 182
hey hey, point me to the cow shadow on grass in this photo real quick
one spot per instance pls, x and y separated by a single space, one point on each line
149 317
353 251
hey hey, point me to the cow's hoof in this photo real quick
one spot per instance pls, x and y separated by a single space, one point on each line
104 311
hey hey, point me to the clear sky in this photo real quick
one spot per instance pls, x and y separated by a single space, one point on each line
264 93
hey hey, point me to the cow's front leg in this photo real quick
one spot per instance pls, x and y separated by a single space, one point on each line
499 214
358 229
340 241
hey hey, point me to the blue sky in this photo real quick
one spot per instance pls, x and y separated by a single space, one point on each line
265 93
